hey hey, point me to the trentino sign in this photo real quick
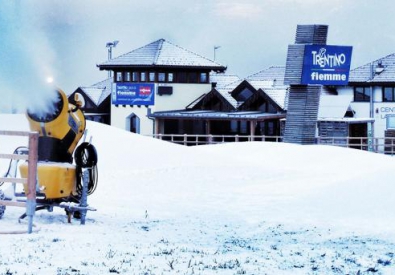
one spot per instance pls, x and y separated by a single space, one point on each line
326 65
133 93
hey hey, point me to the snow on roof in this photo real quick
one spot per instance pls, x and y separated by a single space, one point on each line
270 80
162 53
278 95
381 70
334 106
273 75
98 92
228 98
222 80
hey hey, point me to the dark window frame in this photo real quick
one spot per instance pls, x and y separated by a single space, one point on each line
119 76
161 77
151 76
362 94
143 76
180 76
170 77
391 90
135 76
203 77
128 77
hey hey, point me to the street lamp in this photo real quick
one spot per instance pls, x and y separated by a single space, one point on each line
111 45
216 48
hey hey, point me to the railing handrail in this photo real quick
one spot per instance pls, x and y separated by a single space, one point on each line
375 144
31 179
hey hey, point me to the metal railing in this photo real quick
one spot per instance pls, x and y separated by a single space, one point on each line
186 139
384 145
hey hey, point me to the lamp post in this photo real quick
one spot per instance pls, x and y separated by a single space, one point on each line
216 48
111 45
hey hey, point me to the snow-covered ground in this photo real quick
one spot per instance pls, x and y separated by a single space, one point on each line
240 208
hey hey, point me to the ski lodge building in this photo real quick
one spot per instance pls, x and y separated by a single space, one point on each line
162 88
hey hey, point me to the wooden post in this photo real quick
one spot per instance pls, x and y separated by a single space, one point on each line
185 139
252 129
209 138
32 179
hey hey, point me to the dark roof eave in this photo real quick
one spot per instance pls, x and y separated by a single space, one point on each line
141 66
369 83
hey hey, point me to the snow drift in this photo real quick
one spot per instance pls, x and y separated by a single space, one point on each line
236 208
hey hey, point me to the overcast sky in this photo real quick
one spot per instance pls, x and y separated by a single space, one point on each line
66 39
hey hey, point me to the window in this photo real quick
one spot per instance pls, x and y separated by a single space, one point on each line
165 90
164 77
127 77
152 76
362 94
388 94
135 76
203 78
170 77
390 121
244 95
161 77
143 77
119 76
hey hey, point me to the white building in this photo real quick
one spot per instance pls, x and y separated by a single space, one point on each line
157 77
365 108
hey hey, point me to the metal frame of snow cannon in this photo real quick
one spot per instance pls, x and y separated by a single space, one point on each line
69 206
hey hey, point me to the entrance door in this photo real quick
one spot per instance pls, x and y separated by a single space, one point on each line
133 123
358 134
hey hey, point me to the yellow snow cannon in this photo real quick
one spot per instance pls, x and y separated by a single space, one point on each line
60 128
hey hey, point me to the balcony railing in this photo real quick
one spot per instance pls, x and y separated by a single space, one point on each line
384 145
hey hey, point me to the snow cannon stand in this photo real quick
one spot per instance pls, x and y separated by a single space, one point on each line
66 167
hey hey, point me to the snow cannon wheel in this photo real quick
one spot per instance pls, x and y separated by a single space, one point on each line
85 155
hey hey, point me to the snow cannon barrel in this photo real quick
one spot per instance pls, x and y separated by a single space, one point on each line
60 128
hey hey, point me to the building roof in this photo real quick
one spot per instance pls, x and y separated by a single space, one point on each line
223 80
334 106
278 95
270 81
228 97
378 71
272 76
161 53
98 92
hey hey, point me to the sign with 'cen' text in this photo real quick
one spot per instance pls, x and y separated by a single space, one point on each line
133 93
326 65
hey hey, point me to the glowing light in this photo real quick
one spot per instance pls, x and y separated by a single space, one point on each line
50 79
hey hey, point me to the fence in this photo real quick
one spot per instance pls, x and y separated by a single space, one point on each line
31 179
187 139
379 145
383 145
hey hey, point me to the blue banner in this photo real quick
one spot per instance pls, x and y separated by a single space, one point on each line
133 93
326 65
